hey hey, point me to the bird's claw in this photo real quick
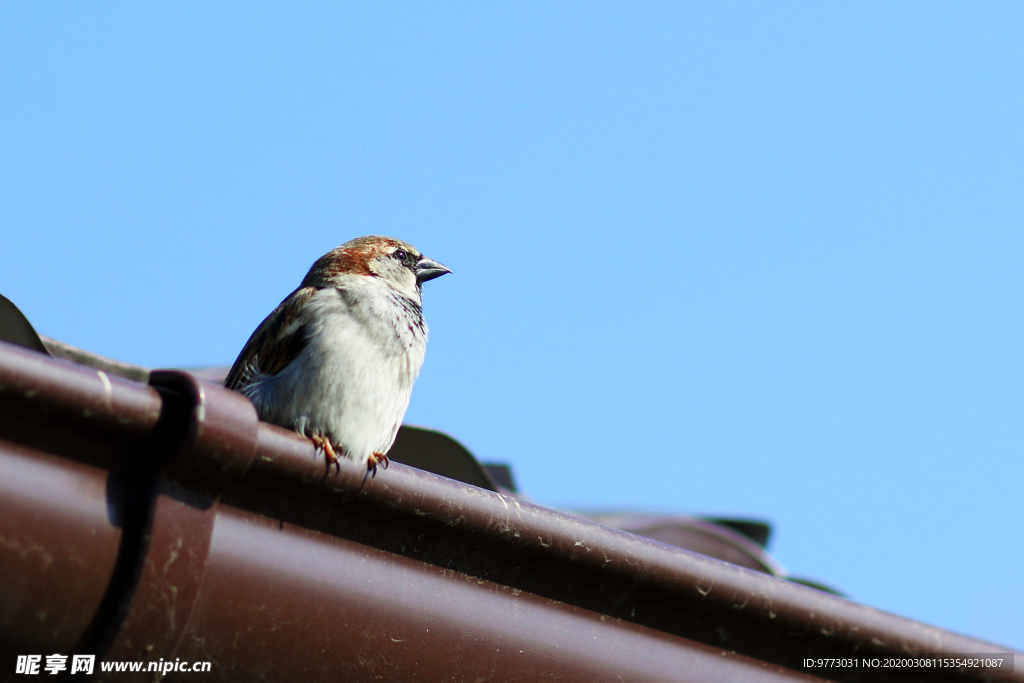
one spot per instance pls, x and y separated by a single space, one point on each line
323 444
377 458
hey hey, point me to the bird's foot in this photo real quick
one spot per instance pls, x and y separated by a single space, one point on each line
323 444
377 458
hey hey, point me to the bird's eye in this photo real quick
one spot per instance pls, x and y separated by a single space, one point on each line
400 254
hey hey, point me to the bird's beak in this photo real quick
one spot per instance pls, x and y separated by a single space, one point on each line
428 269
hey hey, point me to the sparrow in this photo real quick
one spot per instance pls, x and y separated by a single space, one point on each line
337 359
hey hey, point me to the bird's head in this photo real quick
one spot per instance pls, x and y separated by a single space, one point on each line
390 261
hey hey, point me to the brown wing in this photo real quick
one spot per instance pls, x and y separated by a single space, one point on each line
275 343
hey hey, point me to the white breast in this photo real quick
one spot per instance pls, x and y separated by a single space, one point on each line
354 379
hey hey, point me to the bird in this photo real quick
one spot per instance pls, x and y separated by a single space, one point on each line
337 359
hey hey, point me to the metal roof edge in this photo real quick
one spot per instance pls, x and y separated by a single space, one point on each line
242 515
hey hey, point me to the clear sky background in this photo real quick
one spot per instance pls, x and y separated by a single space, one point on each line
753 259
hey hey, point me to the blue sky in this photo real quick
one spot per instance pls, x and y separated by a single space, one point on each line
723 258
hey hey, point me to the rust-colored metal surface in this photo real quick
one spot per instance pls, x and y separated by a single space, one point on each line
72 440
328 609
71 410
164 522
58 549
